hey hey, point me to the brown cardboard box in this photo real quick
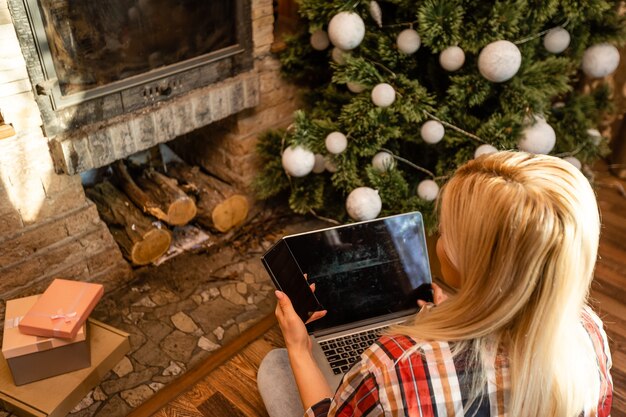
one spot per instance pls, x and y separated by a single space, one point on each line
56 396
32 358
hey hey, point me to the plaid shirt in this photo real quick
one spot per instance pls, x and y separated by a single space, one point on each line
400 376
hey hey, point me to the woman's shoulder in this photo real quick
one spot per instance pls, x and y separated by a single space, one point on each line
595 328
393 348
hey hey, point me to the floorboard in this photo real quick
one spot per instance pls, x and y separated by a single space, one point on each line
228 388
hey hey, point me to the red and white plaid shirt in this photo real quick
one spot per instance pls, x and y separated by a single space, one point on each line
401 376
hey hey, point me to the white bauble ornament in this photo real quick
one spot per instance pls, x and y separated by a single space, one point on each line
329 164
346 30
574 161
408 41
356 88
319 165
452 58
595 135
428 190
298 161
383 95
319 40
600 60
383 161
376 13
336 142
499 61
484 150
432 131
556 40
338 56
537 138
363 203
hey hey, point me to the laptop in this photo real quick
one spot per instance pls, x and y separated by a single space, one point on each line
368 275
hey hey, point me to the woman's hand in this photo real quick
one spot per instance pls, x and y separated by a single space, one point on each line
293 329
438 296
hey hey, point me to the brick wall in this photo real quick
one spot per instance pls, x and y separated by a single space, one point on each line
47 226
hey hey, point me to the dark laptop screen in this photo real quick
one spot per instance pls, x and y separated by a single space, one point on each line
365 270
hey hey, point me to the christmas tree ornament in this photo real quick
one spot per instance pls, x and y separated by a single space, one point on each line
376 13
484 150
339 56
408 41
537 138
452 58
383 95
556 40
428 190
336 142
329 165
574 161
595 135
432 131
319 40
298 161
383 161
499 61
319 165
363 203
600 60
346 30
356 88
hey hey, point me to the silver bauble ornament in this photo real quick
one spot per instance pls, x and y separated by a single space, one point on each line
383 95
537 138
595 135
319 40
556 40
600 60
336 142
356 88
452 58
499 61
408 41
376 13
383 161
298 161
432 131
484 150
363 203
338 56
329 164
346 30
319 165
574 161
428 190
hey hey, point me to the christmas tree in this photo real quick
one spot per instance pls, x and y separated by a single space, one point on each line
399 93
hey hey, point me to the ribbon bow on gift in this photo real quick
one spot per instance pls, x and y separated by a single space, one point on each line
67 317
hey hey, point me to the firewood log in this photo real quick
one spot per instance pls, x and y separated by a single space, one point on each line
220 207
157 195
139 239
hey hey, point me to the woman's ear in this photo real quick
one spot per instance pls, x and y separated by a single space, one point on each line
450 274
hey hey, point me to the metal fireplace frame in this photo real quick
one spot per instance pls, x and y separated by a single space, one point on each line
62 113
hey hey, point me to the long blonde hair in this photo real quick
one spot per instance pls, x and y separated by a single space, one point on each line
522 230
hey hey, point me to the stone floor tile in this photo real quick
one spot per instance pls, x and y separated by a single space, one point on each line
183 322
123 367
206 344
137 396
114 407
150 354
179 346
215 313
114 386
163 297
155 330
230 293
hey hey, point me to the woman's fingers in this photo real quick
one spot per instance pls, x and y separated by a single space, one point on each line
438 295
317 315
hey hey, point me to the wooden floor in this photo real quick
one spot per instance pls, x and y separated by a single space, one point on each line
227 387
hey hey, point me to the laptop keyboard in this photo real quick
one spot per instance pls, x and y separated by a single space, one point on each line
342 352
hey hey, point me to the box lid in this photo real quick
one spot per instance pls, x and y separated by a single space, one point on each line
57 396
62 309
16 343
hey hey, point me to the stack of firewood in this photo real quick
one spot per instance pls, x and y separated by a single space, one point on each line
140 205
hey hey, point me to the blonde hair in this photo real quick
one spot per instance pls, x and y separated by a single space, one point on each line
522 230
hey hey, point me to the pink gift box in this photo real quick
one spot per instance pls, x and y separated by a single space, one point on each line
62 309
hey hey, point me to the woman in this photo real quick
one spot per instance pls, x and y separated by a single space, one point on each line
519 238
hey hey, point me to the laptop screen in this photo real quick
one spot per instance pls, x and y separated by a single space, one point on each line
365 270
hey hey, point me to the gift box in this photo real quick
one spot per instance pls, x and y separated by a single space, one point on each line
62 309
31 358
57 396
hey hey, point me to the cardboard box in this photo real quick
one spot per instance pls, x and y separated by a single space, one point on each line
57 396
32 358
62 309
